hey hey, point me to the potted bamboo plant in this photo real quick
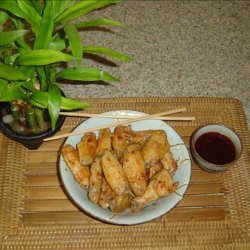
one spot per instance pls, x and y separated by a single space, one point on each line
40 45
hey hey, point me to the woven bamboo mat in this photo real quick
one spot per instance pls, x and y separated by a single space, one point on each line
35 212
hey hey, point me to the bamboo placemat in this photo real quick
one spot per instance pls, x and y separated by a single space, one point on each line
35 212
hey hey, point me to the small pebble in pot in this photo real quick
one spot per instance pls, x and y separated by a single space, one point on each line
8 119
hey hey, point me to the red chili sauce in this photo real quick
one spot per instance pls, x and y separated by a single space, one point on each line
215 148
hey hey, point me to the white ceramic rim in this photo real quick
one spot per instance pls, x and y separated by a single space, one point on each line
150 212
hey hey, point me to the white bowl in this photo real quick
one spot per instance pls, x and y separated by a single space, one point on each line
154 209
220 129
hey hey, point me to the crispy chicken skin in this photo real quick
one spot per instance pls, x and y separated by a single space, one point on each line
132 137
124 132
95 182
86 148
139 137
160 185
119 145
152 170
169 163
155 147
122 136
103 142
113 173
134 169
80 172
120 203
106 195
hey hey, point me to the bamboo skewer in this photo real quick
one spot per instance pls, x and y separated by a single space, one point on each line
146 117
163 118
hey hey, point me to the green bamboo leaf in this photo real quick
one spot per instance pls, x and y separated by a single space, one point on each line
20 24
82 8
28 71
106 51
30 15
60 5
40 99
85 74
41 72
23 46
54 103
59 45
29 85
13 58
71 104
74 42
32 100
36 104
3 84
12 7
10 36
37 5
98 22
11 92
11 74
42 57
44 35
50 74
3 17
44 81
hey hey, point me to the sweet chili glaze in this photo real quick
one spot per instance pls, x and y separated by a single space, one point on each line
215 148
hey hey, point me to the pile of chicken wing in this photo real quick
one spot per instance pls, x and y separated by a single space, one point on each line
123 169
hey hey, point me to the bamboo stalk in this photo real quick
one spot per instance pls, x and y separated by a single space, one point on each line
15 111
39 116
146 117
31 119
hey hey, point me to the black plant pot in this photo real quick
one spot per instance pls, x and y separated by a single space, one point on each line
32 141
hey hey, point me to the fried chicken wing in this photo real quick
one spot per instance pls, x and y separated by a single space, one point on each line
152 170
106 195
139 137
155 147
123 136
169 163
95 181
134 169
160 185
124 132
86 148
119 145
113 173
80 172
120 203
103 142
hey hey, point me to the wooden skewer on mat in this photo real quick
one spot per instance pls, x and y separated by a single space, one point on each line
146 117
163 118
